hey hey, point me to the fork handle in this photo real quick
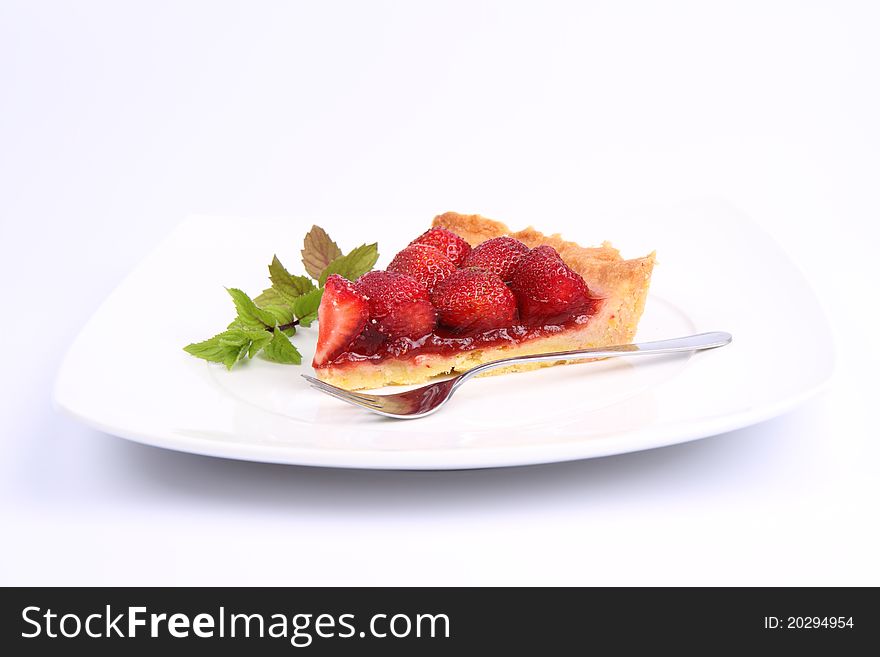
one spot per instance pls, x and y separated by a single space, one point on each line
673 345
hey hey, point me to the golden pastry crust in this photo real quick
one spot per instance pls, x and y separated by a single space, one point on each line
622 285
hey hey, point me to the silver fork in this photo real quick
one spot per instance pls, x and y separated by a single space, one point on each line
428 399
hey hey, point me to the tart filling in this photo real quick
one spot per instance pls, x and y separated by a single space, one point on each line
371 346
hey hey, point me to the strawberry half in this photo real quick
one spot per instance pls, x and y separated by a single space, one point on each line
547 290
399 306
427 264
342 316
474 300
499 255
455 248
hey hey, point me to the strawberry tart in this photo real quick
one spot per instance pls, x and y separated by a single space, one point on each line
470 291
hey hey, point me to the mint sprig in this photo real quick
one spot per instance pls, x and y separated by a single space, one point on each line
264 325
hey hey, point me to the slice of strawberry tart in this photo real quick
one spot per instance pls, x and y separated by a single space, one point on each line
470 291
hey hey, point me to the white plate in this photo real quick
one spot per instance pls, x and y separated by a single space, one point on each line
126 373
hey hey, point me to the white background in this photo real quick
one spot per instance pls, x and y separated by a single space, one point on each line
117 119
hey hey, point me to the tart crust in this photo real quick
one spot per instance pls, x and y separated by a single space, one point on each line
622 285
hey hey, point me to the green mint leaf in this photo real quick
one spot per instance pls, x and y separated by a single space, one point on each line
230 346
282 314
306 307
259 339
212 350
318 251
356 263
268 297
248 342
286 285
306 320
280 350
249 315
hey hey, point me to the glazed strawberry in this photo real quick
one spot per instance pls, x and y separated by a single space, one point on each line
455 248
547 290
386 290
474 300
426 264
342 316
411 320
399 304
500 255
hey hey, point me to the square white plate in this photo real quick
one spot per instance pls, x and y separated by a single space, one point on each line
716 271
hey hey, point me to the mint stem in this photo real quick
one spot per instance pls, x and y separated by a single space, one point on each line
284 327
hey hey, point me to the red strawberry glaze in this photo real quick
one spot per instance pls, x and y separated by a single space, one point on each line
374 347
